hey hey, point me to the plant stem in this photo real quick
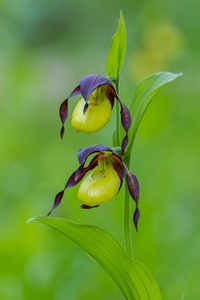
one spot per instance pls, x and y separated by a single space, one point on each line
127 217
117 118
127 200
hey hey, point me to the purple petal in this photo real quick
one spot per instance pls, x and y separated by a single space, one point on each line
136 218
111 94
119 168
83 153
125 116
63 115
126 122
79 172
84 206
133 186
76 177
90 82
124 143
62 131
63 112
57 201
85 108
74 180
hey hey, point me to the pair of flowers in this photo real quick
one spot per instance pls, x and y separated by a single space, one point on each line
106 169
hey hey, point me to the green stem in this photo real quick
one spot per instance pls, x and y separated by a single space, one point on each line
117 117
127 217
127 200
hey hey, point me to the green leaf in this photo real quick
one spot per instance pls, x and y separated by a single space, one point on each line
145 91
116 53
133 278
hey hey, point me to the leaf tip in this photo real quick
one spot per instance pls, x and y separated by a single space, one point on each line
33 219
30 220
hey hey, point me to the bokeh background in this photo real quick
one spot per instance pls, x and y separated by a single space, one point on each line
45 47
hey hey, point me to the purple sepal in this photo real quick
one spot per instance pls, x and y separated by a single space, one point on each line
125 117
111 95
85 108
84 206
136 218
83 153
126 122
62 131
90 82
124 143
119 168
57 201
63 112
63 115
133 186
74 179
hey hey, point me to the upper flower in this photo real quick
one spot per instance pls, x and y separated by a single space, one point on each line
103 182
93 111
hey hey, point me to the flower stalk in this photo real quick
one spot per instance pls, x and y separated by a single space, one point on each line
127 219
117 120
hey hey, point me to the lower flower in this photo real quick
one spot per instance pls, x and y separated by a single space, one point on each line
104 180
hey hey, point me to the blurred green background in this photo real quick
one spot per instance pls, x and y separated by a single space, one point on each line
45 47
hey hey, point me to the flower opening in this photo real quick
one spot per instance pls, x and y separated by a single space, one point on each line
101 185
97 114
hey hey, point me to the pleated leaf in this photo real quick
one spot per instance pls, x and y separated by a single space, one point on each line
116 53
145 91
133 278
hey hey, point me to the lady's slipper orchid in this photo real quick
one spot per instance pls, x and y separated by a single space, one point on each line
102 183
93 111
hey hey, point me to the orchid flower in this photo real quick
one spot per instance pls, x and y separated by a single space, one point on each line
94 109
105 174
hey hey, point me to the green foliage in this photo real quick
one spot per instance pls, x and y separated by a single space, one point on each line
145 91
116 53
43 53
133 278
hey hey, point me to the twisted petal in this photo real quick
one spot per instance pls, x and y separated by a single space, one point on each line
133 187
84 206
74 179
136 216
57 201
125 116
119 167
64 109
106 181
126 122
